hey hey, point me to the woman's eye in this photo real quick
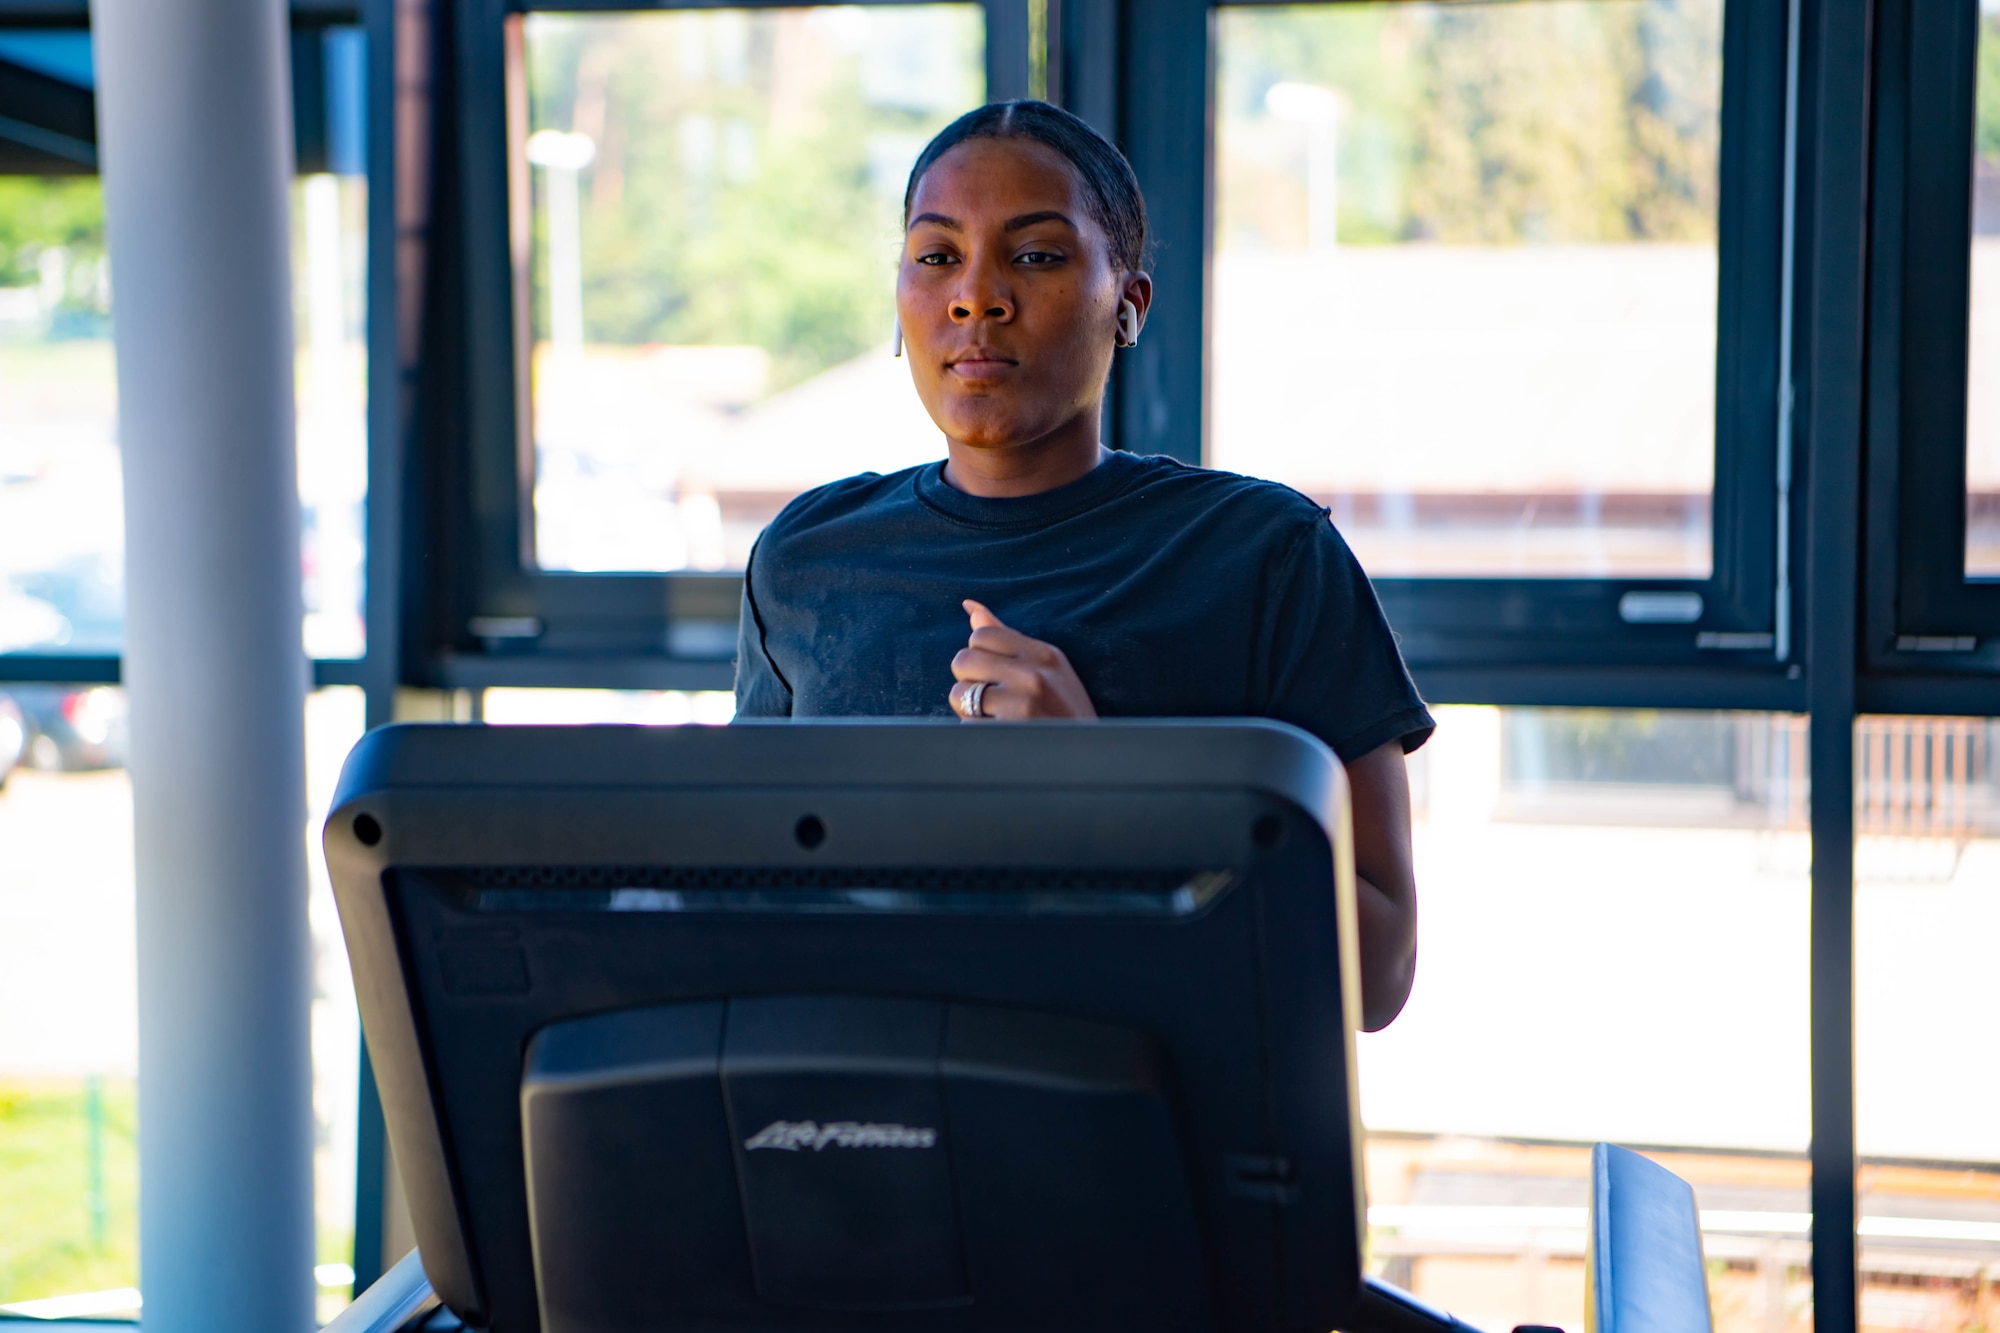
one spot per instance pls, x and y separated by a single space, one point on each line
1040 257
934 260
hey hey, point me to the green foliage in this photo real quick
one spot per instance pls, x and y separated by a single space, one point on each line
767 261
1564 123
1573 121
38 212
737 196
1519 132
1986 141
1613 745
47 1241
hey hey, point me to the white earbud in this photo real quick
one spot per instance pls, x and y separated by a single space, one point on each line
1128 324
898 345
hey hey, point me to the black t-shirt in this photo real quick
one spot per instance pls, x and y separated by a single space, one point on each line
1174 591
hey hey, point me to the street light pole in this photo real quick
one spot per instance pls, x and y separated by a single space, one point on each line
564 156
1318 109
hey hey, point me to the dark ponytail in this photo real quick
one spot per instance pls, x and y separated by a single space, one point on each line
1111 188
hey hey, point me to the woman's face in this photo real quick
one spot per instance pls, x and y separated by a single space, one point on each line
1008 295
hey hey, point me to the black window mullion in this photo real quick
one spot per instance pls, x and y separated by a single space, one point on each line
1924 620
1164 119
1936 224
1939 277
1750 260
1836 37
1009 47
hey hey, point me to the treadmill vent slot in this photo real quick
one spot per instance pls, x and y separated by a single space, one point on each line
913 890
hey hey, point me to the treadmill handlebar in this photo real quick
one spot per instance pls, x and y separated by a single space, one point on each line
1387 1309
391 1304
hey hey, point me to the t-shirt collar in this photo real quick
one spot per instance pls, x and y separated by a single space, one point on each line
1108 479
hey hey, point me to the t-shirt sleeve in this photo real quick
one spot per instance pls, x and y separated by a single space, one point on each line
761 690
1332 665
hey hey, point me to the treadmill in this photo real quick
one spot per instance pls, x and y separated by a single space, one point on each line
819 1027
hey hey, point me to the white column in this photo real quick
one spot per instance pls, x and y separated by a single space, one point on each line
194 122
1323 179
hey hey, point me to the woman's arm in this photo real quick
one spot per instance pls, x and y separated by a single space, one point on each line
1028 678
761 689
1385 888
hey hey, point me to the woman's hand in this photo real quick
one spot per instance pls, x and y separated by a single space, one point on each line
1024 677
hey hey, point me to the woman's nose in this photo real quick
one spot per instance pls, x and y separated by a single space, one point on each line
982 300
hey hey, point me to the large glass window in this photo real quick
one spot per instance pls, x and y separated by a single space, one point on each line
68 1030
1465 278
330 279
1927 1100
335 719
69 1224
1615 916
61 503
68 1005
715 203
62 531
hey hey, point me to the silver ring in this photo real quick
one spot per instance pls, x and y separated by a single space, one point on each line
975 697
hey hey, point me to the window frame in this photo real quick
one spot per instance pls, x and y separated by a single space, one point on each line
1928 627
498 619
1509 639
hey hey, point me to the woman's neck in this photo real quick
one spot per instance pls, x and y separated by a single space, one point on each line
1010 471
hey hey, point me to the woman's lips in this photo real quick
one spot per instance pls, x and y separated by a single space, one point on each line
981 367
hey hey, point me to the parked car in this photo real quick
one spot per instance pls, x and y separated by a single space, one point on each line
71 727
13 737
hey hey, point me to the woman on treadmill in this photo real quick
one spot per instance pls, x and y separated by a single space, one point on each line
1034 573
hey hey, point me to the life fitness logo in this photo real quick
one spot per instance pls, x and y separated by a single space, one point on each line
793 1135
